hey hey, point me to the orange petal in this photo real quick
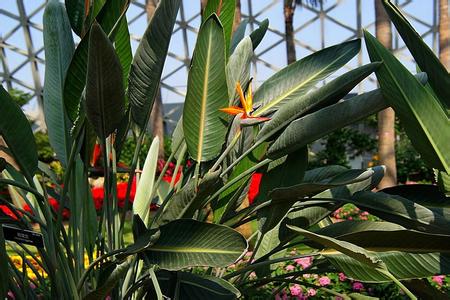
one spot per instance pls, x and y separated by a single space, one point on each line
241 95
232 110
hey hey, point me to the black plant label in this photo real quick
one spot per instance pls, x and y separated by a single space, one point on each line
23 236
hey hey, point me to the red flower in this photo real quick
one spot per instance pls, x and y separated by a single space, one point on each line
253 191
96 154
7 211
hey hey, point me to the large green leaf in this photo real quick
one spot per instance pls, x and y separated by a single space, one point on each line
386 236
75 11
76 74
296 79
439 78
323 96
351 250
424 194
238 68
318 124
187 243
203 126
425 121
238 35
105 98
193 287
144 190
148 62
225 12
16 131
400 264
298 191
402 211
59 48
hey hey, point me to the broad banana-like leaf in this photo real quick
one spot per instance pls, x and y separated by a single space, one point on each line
238 68
105 98
401 265
187 243
323 96
238 35
148 62
142 201
75 11
424 119
386 236
75 80
298 191
203 124
193 287
59 48
351 250
259 33
424 194
439 78
318 124
296 79
225 11
443 181
16 131
402 211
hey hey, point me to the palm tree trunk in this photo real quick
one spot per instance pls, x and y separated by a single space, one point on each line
237 15
444 34
289 8
386 118
156 116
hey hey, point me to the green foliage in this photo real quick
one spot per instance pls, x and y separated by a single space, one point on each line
187 224
44 149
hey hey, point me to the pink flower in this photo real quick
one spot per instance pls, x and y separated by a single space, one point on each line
296 290
249 254
439 279
338 298
350 218
11 295
342 277
312 292
290 268
305 262
306 276
357 286
323 281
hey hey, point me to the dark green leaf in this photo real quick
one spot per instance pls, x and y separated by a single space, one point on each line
318 124
421 114
427 60
105 97
148 62
259 33
75 11
16 131
423 194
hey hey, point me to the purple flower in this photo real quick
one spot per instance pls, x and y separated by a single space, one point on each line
357 286
323 281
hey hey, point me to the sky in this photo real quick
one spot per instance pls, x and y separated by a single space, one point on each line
271 52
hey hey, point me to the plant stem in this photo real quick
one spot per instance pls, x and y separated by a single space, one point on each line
226 151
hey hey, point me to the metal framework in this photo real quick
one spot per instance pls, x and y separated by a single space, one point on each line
22 55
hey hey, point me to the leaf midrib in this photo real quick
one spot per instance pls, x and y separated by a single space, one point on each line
172 249
204 96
